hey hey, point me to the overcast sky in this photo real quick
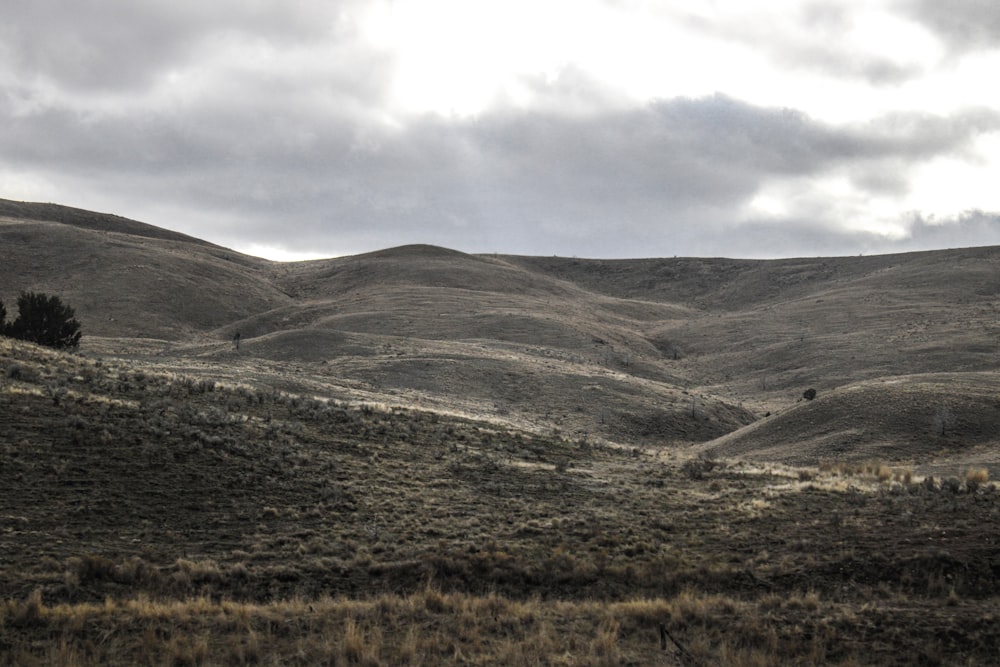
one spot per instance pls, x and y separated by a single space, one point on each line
594 128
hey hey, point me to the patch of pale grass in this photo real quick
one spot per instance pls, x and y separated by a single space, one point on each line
754 508
23 391
976 478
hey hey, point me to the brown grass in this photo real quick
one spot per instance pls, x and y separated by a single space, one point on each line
634 351
423 457
424 628
189 521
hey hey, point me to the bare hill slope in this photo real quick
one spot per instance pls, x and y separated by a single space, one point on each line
126 279
77 217
915 418
656 351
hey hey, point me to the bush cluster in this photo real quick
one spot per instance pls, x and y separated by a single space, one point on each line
42 319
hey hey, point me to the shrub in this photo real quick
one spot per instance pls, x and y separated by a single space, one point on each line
952 485
809 394
699 467
44 320
975 478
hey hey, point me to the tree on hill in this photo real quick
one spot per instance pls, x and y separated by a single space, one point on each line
3 317
43 319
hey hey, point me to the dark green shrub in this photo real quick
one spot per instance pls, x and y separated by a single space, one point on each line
45 320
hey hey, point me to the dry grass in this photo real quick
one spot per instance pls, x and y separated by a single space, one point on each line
167 518
976 478
421 457
429 627
634 351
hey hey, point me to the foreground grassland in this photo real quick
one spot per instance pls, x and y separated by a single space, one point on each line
150 517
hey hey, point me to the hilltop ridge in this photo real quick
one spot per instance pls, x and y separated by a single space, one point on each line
78 217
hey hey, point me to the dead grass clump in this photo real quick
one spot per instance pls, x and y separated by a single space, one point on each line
185 651
880 471
692 607
434 600
975 478
640 614
604 646
28 613
361 645
190 573
808 601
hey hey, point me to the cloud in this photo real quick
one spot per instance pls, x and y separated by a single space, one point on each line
101 45
834 38
305 172
787 237
964 25
967 229
254 122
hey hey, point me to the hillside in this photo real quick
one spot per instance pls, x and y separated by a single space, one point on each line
940 417
659 352
155 517
130 280
103 222
418 456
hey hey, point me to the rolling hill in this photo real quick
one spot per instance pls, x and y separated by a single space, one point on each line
925 418
661 352
421 456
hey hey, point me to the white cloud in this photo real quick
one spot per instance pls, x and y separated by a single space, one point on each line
942 186
590 127
962 25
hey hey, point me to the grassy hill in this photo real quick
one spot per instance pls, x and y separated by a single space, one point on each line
156 517
129 280
919 418
420 456
653 351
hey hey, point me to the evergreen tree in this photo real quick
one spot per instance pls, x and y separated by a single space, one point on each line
44 320
3 319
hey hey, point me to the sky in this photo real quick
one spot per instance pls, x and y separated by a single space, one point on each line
296 129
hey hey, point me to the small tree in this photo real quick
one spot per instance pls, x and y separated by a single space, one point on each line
809 394
44 320
3 318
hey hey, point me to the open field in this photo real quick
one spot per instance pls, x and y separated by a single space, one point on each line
423 457
169 519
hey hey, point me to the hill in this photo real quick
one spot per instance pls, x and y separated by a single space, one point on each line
155 517
659 352
939 418
421 456
77 217
127 279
